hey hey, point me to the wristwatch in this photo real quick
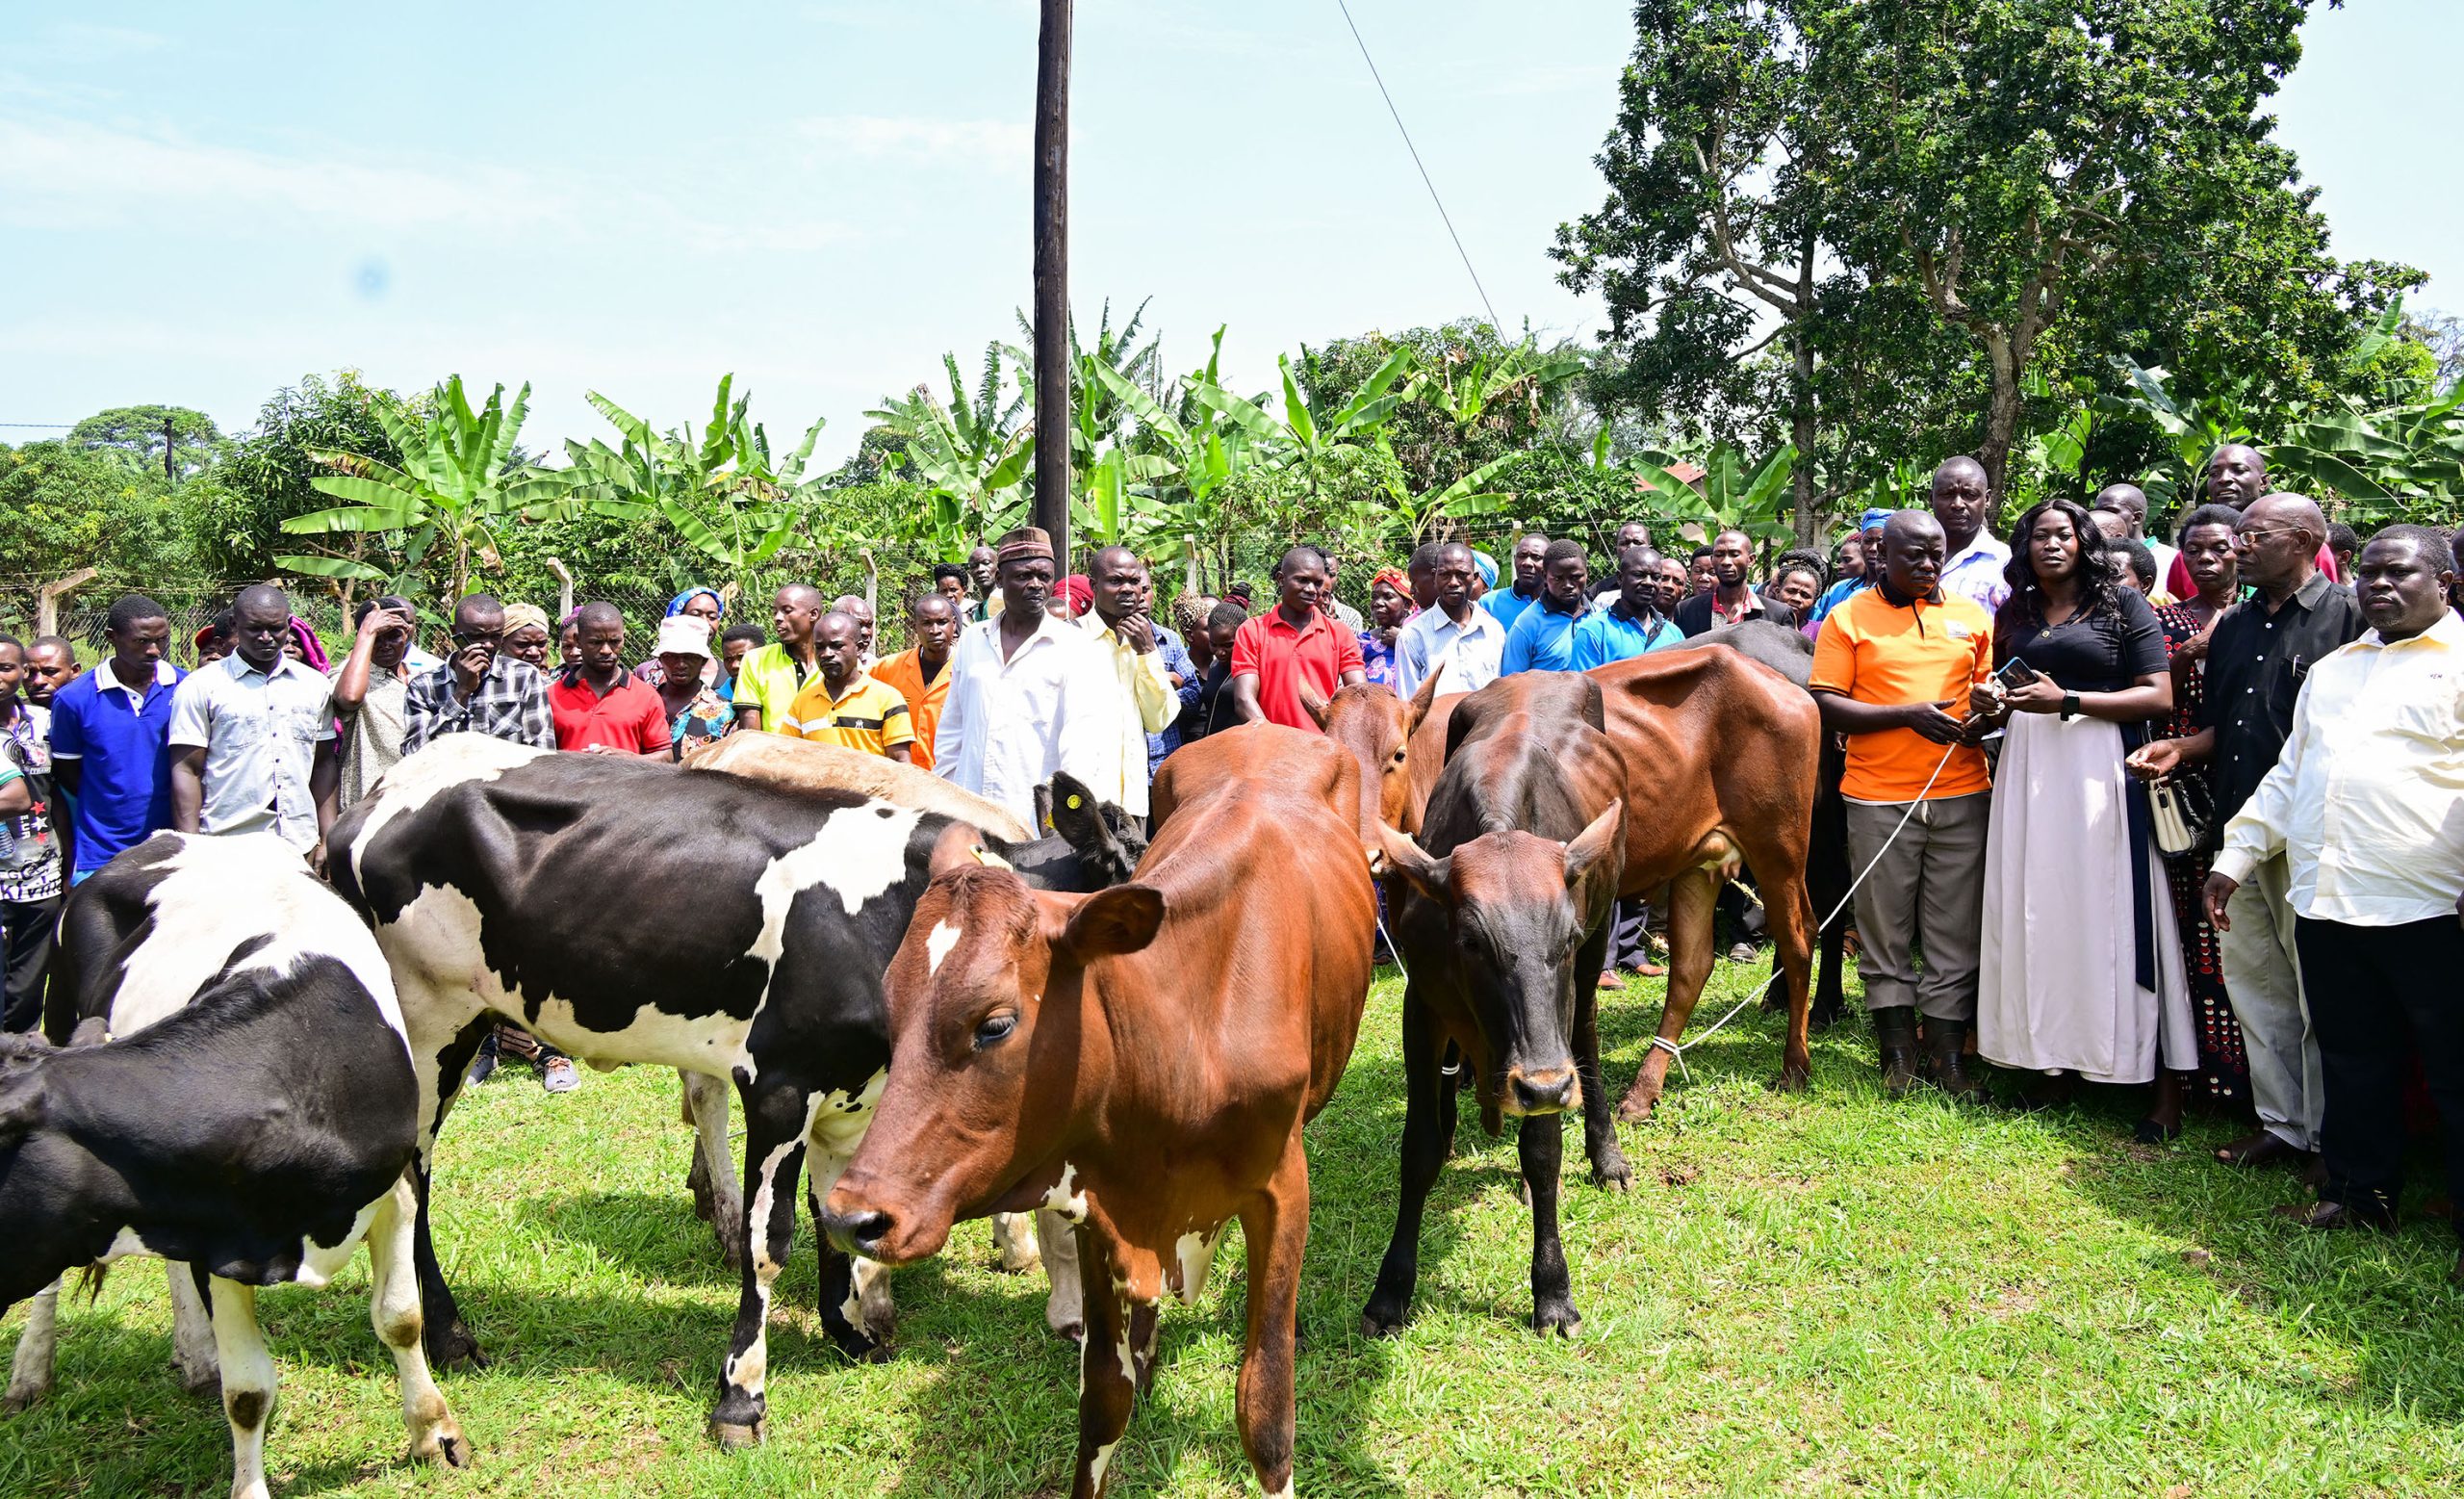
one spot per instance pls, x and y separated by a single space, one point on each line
2069 706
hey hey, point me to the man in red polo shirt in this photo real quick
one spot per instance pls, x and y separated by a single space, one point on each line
601 707
1293 642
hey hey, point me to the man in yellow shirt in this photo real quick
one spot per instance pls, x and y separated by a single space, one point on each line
1148 700
844 707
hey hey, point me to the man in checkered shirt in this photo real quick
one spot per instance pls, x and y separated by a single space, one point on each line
477 689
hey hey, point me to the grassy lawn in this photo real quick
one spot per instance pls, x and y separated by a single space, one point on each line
1826 1293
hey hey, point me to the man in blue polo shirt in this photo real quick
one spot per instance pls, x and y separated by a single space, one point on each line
1631 624
1543 636
1530 549
1869 529
111 737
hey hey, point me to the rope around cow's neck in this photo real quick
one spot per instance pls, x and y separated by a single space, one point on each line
1678 1052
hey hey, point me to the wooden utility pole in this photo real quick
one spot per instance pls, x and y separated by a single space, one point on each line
1052 279
168 439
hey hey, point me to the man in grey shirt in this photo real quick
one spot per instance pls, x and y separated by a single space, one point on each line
249 731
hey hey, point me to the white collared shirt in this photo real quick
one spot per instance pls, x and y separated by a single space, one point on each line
1469 653
1007 725
1144 703
2367 801
1977 573
260 732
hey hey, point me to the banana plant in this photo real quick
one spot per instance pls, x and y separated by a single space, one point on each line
1466 395
719 488
1299 437
455 486
1734 496
970 453
1420 514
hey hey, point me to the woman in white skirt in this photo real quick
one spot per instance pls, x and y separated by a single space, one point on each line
2081 971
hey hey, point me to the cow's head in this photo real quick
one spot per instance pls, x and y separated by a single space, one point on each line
1375 727
997 1047
1106 840
36 1168
1517 907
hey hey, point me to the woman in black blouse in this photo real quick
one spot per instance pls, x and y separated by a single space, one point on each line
2080 971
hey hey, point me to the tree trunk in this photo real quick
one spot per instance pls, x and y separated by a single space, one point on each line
2001 422
1801 394
1052 279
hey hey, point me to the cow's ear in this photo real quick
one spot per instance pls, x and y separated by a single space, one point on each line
1595 847
1312 704
1124 918
1416 712
1075 815
21 1105
1399 853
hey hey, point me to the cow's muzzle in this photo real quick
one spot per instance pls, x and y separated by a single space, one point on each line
1542 1090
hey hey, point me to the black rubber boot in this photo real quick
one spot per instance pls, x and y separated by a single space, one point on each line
1946 1061
1895 1039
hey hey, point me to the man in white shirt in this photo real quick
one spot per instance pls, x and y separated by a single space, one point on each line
1456 637
1029 694
1145 700
250 732
1972 561
2131 501
2365 804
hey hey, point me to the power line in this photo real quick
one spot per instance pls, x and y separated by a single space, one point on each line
1443 216
47 425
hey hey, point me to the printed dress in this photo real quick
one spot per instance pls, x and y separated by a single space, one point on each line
2224 1072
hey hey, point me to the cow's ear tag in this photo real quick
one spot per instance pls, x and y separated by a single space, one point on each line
1075 801
991 860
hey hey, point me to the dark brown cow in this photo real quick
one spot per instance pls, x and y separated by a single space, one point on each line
1721 755
1505 931
1140 1060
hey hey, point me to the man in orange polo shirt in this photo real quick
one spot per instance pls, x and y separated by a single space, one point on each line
1294 641
1892 669
921 675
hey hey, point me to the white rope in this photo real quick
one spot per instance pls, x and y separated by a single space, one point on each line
1678 1051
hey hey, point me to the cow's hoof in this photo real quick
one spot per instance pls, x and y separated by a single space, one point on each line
1792 1079
737 1436
206 1383
1559 1321
453 1347
450 1448
19 1399
1617 1177
1377 1321
1637 1108
1073 1333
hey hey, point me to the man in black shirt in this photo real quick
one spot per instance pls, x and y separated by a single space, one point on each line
2257 655
1733 599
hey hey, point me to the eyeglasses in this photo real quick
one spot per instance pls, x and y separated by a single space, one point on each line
2265 533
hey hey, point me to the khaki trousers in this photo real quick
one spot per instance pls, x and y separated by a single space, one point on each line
2263 978
1928 891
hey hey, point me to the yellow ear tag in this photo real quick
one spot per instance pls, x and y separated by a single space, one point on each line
1074 802
988 859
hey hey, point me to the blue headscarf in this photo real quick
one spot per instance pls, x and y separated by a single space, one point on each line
1488 566
675 605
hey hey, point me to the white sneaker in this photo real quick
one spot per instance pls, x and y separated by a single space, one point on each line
559 1076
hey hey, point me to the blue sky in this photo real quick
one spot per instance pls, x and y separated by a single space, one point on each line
200 204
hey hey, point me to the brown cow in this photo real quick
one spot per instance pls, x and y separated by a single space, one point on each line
1721 757
1398 745
1142 1060
1506 928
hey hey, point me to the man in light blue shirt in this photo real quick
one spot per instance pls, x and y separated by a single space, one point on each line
248 731
1631 624
1454 635
1543 636
1972 561
1509 604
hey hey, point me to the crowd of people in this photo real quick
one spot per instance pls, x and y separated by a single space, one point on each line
2124 812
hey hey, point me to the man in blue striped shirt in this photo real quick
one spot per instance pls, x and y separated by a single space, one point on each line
1631 624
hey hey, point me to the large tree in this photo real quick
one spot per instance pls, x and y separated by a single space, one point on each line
2017 161
1710 244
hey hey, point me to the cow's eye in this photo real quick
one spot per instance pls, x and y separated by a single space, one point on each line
1401 755
994 1029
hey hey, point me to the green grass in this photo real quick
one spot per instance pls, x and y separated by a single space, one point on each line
1826 1293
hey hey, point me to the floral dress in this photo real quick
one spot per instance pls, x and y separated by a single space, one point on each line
1377 658
705 718
2224 1076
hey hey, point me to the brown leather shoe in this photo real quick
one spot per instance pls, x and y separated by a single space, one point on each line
2337 1215
1608 979
1652 970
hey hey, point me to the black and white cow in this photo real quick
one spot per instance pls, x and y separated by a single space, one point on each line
627 912
252 1116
